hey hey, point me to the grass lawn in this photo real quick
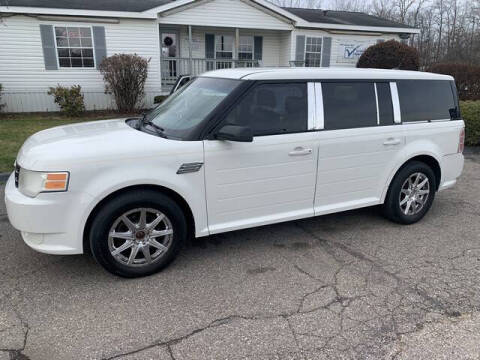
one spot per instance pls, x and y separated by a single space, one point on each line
16 128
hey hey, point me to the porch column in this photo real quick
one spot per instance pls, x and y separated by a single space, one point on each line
190 49
237 44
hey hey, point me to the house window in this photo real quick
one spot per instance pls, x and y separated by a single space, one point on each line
74 46
313 51
245 48
224 46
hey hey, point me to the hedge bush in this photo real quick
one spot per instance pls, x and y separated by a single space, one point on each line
471 115
69 99
159 99
389 55
467 78
125 76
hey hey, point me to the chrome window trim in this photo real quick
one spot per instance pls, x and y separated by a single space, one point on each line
397 115
311 106
319 113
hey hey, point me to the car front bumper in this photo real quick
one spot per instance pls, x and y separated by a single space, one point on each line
50 223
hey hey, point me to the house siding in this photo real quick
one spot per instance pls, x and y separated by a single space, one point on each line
226 13
25 80
337 40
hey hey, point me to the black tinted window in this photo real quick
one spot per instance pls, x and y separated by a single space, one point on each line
273 109
349 105
385 106
422 100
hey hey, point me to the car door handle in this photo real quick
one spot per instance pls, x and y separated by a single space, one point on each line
392 141
299 151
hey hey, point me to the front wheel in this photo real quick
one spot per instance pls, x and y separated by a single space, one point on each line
411 193
137 233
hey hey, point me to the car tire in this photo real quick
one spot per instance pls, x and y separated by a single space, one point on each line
149 226
405 203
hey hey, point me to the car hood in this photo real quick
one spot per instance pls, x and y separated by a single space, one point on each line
62 147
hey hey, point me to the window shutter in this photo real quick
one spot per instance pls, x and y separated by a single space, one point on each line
257 47
48 45
300 48
99 44
326 51
209 46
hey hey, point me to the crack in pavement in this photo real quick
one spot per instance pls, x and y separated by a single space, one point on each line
357 299
212 324
344 301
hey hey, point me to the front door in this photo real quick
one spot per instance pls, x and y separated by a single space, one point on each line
272 178
169 45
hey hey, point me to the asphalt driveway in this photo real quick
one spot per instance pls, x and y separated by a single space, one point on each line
343 286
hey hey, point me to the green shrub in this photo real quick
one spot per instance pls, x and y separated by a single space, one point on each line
125 76
70 99
1 105
159 99
389 55
471 115
467 78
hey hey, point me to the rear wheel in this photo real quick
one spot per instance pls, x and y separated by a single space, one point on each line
411 193
137 233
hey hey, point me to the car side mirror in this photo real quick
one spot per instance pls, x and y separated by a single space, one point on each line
235 133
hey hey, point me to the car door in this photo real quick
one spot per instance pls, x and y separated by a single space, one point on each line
272 178
358 145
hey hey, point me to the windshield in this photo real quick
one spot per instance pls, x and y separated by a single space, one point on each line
185 109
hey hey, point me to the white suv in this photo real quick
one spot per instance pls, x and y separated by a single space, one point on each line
235 149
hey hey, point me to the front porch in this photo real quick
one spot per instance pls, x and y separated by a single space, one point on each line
193 50
173 67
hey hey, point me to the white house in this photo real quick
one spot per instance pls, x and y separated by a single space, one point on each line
48 42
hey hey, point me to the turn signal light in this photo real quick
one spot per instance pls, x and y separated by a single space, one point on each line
56 181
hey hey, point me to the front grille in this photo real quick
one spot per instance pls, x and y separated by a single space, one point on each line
17 173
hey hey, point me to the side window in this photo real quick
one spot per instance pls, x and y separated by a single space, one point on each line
273 109
349 105
385 105
422 100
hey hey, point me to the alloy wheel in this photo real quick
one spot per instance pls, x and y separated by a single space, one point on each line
414 193
140 237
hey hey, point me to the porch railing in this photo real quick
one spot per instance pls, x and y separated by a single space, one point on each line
172 68
297 63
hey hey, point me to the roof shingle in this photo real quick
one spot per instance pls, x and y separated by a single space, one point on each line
310 15
100 5
343 18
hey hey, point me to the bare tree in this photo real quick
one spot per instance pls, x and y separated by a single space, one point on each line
383 9
449 29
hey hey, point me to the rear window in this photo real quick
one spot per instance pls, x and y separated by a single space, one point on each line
349 105
422 100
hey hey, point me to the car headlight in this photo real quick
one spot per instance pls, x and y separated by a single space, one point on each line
31 183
